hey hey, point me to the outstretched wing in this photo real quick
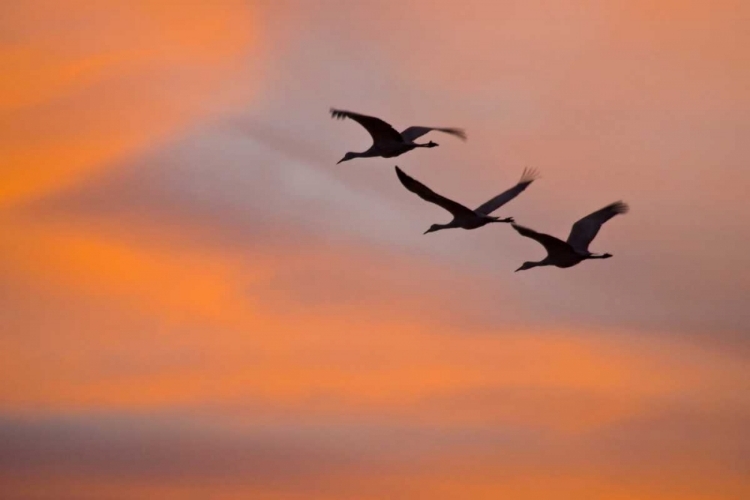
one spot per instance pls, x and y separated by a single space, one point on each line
586 229
428 194
378 129
550 243
413 133
528 176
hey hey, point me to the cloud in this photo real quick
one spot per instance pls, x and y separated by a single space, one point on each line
151 453
131 456
91 84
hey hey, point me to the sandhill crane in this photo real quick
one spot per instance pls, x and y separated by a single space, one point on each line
576 249
464 217
386 141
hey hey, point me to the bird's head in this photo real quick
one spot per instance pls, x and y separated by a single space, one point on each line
527 265
348 156
432 144
606 256
433 228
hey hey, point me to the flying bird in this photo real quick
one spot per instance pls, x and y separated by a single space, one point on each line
464 217
387 142
576 249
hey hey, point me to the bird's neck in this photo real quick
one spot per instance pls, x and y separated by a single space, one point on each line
530 265
373 151
437 227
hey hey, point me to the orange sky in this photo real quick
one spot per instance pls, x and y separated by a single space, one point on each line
198 303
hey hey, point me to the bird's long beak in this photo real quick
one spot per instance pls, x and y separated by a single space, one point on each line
426 231
519 269
342 159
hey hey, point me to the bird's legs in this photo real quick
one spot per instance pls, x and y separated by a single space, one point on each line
508 220
428 145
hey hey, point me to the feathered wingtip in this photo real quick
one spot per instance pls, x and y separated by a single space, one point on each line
529 175
458 132
619 207
338 113
405 179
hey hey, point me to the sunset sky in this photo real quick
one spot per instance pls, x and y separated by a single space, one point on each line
197 302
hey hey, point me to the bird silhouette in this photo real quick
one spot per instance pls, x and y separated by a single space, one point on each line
464 217
387 142
576 249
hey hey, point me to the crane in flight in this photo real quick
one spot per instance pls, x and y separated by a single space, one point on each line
387 142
